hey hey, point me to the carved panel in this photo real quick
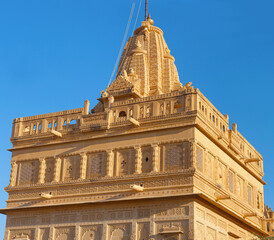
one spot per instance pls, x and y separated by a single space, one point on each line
221 174
125 162
173 156
212 219
200 231
210 165
65 233
45 219
49 173
44 234
21 221
200 158
143 231
65 218
96 165
93 232
27 234
180 230
239 186
211 234
171 211
120 231
200 213
146 159
113 215
29 172
221 236
91 216
143 213
71 169
222 224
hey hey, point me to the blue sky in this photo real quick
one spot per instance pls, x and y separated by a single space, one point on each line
54 54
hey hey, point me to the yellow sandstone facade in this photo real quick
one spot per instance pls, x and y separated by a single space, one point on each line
153 160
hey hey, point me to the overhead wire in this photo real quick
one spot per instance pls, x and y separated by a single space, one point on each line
124 40
137 17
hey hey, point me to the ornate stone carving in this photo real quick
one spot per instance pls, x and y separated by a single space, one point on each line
28 172
96 165
42 170
13 175
93 232
64 233
138 159
143 230
120 231
57 169
155 157
110 162
83 166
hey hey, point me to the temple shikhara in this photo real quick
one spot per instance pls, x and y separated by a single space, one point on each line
153 160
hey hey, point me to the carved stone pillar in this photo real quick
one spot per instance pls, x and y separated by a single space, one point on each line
42 170
138 159
57 169
206 161
193 154
13 174
155 157
110 160
83 166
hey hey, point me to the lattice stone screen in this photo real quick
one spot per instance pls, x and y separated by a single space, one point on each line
96 165
173 157
71 170
49 170
200 159
147 159
29 172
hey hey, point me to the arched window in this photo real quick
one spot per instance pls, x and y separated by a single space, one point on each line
72 122
122 114
65 123
50 125
55 124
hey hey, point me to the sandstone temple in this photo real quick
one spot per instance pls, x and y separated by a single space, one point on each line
153 160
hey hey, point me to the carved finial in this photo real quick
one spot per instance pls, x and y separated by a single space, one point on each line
188 85
104 94
150 19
